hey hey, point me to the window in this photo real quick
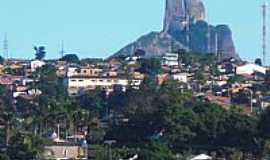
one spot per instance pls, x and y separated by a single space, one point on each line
80 80
73 80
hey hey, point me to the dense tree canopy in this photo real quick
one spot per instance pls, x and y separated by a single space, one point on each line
40 52
71 58
155 122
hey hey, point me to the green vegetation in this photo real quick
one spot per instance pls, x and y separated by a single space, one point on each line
70 58
258 61
40 52
159 122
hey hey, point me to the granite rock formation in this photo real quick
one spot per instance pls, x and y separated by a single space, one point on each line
178 12
184 28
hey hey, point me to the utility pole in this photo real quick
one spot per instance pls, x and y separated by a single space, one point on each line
58 131
251 99
5 47
264 31
110 143
62 51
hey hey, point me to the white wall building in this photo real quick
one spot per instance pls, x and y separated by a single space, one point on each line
249 69
170 59
72 71
77 83
35 64
181 77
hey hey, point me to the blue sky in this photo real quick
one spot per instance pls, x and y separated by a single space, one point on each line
98 28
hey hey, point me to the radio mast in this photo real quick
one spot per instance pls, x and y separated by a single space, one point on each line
5 47
264 31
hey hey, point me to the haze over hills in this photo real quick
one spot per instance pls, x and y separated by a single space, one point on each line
185 27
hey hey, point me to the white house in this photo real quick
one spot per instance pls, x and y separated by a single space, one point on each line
202 157
17 94
25 81
65 152
77 83
34 92
181 77
249 69
71 71
35 64
132 59
170 59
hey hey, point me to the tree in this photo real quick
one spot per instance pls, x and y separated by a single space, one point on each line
40 52
90 61
4 157
264 129
181 53
140 53
211 118
156 151
150 66
117 100
94 101
70 58
258 61
242 130
26 147
50 85
2 60
199 76
235 78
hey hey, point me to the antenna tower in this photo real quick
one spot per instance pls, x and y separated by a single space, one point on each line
5 47
264 30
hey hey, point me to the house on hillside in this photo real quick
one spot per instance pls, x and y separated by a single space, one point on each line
35 64
170 59
250 69
180 77
79 84
66 151
202 157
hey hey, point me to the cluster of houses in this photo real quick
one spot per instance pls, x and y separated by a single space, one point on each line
80 79
234 77
19 74
235 82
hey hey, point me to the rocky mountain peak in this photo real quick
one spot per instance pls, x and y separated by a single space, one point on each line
185 27
179 12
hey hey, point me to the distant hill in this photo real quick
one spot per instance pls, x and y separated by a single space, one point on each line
184 28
